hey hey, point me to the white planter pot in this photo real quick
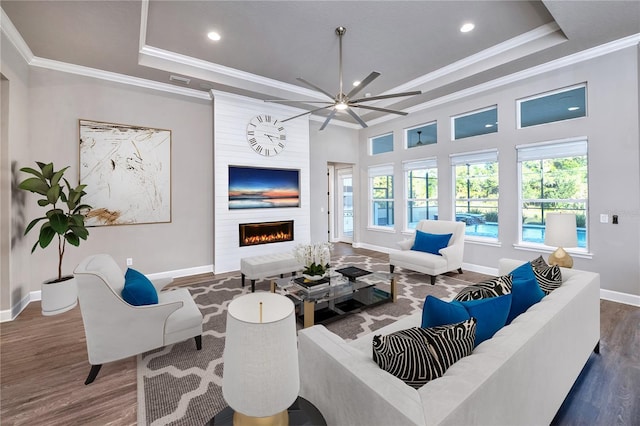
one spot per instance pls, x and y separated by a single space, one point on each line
59 297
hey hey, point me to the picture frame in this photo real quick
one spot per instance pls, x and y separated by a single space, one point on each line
127 170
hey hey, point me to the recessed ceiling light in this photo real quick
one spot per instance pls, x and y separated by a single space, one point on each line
214 36
356 83
573 108
466 27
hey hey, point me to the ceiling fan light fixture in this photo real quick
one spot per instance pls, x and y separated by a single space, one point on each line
341 106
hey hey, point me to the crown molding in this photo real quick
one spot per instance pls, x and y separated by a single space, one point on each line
7 27
116 78
585 55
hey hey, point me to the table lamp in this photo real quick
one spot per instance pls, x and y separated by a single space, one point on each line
561 231
261 378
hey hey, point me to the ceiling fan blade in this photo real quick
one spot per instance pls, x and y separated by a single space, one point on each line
380 109
357 118
363 83
307 112
333 113
392 95
298 101
315 87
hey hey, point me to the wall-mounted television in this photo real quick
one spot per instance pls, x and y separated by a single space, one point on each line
258 188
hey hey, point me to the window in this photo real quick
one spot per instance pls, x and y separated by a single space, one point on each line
476 192
381 196
475 123
553 178
563 104
421 179
381 144
424 134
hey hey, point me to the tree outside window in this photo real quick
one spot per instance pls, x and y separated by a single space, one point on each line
382 200
422 195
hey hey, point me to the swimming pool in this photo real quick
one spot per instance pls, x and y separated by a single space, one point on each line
530 233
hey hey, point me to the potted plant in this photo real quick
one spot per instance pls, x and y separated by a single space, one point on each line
315 258
65 220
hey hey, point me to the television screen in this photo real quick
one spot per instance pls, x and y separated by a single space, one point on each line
258 188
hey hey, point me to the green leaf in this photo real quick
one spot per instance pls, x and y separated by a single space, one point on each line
34 185
32 224
43 202
46 235
47 171
80 231
32 171
58 175
59 223
34 246
72 239
53 194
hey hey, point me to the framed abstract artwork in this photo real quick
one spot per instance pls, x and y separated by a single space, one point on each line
127 170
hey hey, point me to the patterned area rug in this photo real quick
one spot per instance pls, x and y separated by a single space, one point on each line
178 385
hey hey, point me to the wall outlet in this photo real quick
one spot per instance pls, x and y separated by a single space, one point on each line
604 218
129 261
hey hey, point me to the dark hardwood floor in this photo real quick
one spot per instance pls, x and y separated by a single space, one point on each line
43 365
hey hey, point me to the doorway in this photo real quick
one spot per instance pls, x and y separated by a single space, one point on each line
344 205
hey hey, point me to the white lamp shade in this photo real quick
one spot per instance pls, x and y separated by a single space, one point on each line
261 376
561 230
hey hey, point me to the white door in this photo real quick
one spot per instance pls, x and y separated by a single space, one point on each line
344 205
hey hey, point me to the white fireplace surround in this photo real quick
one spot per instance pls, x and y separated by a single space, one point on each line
231 115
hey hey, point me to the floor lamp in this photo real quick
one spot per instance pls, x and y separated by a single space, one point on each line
561 232
261 378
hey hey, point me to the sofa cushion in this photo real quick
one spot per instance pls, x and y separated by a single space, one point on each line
430 243
525 290
418 355
490 313
138 290
498 286
549 277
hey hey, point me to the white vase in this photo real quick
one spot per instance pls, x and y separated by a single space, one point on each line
313 277
59 297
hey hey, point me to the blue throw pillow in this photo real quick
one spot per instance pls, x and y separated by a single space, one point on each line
525 290
430 243
138 290
491 314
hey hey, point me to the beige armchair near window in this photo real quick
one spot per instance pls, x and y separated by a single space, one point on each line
116 329
450 258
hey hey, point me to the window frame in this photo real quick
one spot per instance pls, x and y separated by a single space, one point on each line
408 129
476 157
571 150
409 166
466 114
373 172
519 103
373 138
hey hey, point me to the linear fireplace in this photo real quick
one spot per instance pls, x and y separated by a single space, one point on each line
251 234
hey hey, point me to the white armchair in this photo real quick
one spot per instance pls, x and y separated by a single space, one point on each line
450 257
115 329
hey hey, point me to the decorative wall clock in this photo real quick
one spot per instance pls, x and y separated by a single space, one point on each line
266 135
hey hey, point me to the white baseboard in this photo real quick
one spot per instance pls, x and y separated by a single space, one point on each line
11 314
182 272
616 296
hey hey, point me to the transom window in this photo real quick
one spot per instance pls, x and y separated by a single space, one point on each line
553 179
563 104
381 144
381 196
425 134
421 180
475 123
476 192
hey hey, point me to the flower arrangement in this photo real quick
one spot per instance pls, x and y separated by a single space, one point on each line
314 257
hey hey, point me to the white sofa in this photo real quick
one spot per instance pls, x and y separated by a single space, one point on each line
518 377
427 263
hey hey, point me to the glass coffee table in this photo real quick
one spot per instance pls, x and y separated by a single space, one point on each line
343 292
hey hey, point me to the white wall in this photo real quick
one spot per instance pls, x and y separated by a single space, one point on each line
232 114
614 168
56 102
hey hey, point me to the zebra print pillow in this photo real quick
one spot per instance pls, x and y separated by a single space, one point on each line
539 262
417 355
498 286
549 277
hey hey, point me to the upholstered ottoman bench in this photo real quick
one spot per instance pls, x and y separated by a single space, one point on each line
268 265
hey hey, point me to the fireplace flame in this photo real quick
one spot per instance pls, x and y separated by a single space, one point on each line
267 238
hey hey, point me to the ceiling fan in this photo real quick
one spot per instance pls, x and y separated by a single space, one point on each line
342 102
